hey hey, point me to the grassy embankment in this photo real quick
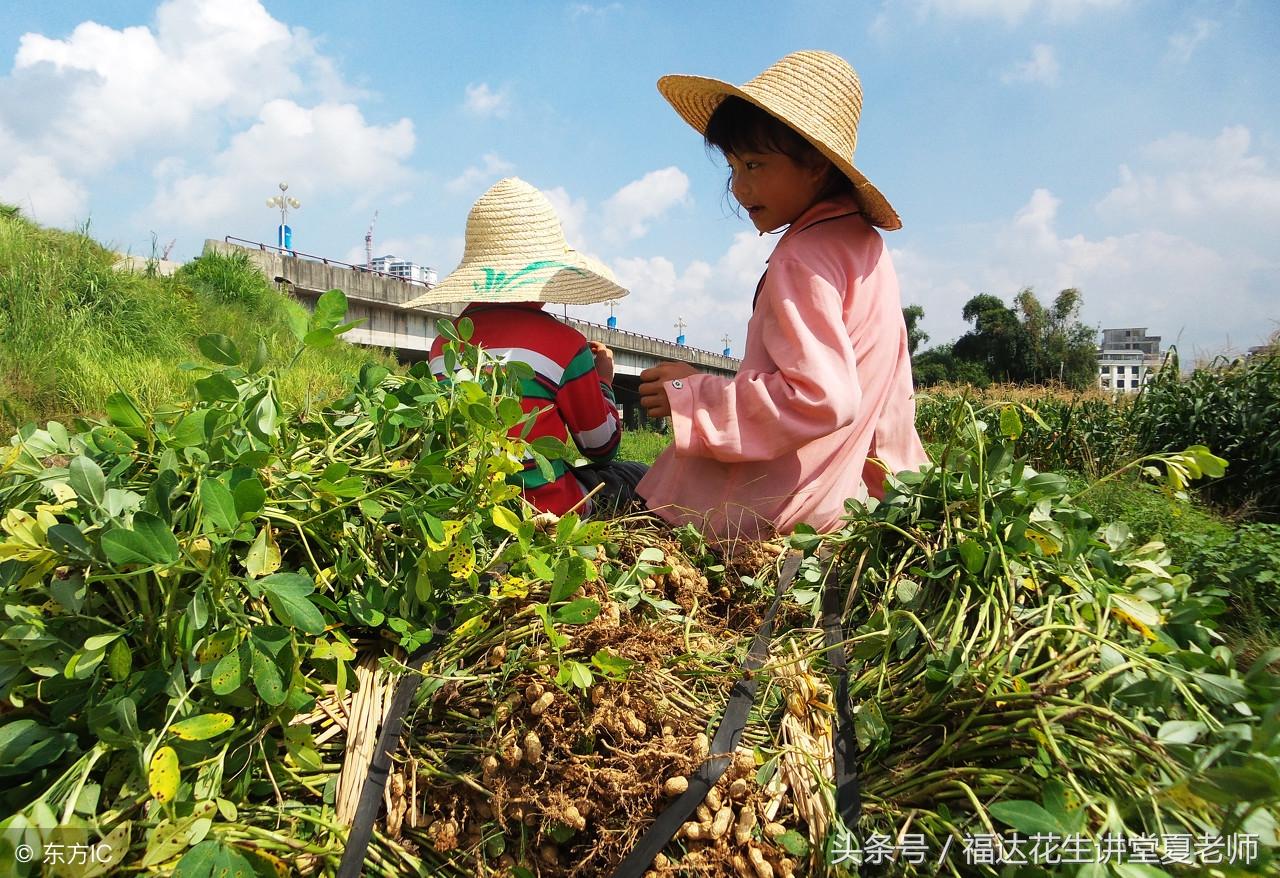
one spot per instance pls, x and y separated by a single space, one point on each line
73 330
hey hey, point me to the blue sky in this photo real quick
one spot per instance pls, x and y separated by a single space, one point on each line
1130 148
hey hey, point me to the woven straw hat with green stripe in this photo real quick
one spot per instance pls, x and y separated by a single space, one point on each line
515 252
816 93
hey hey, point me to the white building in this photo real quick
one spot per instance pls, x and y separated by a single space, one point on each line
1127 359
404 269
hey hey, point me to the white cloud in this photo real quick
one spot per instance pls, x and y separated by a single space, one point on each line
1190 250
1182 45
1013 11
326 148
581 10
1042 67
1173 284
714 300
1208 295
35 185
936 285
632 209
1219 187
573 216
167 94
493 167
107 92
481 100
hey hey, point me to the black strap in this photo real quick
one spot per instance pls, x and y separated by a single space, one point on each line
759 286
844 742
723 745
380 767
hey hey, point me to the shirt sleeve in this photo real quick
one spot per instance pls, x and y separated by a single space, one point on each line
590 415
761 415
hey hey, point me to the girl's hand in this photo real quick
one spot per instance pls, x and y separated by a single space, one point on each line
604 360
653 392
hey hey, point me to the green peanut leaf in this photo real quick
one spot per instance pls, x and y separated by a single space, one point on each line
578 612
149 542
1025 816
124 413
230 672
215 387
87 480
203 727
213 859
330 308
219 507
287 595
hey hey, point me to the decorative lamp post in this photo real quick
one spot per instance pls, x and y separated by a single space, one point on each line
726 344
284 235
613 321
680 328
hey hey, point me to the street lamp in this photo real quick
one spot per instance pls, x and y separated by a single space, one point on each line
284 235
613 321
680 327
726 344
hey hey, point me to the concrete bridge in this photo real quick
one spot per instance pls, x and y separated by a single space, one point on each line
378 299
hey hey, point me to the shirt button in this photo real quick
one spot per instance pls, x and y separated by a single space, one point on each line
677 384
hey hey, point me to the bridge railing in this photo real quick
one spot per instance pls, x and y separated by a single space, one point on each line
297 254
648 337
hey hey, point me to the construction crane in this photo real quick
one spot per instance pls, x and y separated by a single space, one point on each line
368 244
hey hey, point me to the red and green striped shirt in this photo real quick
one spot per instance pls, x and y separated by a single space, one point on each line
574 405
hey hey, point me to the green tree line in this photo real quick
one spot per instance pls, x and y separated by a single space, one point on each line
1025 343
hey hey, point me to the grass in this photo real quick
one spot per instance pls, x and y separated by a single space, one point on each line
73 330
643 446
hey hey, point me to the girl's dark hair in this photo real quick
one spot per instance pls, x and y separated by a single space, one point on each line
737 126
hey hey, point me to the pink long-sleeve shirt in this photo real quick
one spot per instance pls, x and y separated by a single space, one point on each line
824 390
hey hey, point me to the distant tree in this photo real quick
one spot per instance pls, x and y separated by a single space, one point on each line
1059 346
912 315
938 365
934 366
997 342
1034 322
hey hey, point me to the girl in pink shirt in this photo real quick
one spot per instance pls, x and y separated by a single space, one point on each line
822 407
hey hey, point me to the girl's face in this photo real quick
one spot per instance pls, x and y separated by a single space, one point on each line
774 188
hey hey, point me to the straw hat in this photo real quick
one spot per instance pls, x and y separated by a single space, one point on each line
816 93
515 252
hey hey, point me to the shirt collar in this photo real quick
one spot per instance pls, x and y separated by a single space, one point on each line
828 208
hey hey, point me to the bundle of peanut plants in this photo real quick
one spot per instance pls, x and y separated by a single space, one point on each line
180 586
